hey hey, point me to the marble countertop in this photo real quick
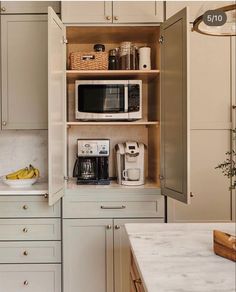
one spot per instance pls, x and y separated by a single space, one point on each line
38 188
178 257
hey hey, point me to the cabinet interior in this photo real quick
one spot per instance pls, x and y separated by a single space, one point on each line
145 130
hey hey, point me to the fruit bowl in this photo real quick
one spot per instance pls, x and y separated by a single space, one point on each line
19 183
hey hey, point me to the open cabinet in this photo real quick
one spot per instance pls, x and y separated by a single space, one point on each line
165 102
90 213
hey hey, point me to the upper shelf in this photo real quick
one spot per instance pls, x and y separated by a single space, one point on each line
140 74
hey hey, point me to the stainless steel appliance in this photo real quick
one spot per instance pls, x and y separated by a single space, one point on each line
92 165
108 99
130 163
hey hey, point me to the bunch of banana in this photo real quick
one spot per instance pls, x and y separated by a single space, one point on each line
24 173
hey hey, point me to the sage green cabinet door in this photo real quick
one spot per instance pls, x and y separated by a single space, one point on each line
24 71
24 7
138 11
175 145
88 255
210 84
122 252
211 199
86 11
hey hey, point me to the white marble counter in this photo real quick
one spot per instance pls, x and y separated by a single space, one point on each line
38 188
179 257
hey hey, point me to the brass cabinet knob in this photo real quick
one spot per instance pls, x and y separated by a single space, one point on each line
46 196
108 226
116 17
25 230
25 207
3 9
117 226
4 123
26 283
108 17
25 253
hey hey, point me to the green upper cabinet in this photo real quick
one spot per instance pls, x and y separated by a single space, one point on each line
137 11
196 8
112 11
24 71
23 7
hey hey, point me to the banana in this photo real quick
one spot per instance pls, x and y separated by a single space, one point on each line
30 174
22 174
36 170
13 175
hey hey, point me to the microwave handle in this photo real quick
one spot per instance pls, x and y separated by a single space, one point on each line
126 98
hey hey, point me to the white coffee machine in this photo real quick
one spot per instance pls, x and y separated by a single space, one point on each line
130 163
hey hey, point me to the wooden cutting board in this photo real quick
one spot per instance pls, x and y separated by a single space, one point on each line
225 245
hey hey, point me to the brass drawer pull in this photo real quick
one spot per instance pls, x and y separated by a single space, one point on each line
26 283
113 207
25 207
25 230
25 253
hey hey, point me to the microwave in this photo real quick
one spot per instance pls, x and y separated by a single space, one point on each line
108 99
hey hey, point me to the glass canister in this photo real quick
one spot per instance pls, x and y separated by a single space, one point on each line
127 56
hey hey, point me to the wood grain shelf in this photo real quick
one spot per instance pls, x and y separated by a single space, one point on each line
135 123
83 74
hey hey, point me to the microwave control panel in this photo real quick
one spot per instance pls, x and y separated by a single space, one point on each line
93 147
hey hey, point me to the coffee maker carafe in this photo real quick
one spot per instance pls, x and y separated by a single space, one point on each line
130 163
91 165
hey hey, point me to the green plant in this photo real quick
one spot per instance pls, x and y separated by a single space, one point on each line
228 167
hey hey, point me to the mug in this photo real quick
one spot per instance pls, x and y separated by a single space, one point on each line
131 174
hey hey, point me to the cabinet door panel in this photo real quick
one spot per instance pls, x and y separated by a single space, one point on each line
86 11
211 196
175 108
56 107
137 11
122 252
210 91
24 71
28 6
88 259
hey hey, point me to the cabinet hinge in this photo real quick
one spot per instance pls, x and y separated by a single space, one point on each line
161 39
64 40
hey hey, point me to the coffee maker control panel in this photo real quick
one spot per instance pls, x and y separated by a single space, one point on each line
93 147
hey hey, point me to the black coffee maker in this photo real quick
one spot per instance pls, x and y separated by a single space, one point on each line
91 165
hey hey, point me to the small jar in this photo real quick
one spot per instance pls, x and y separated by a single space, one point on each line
113 60
99 48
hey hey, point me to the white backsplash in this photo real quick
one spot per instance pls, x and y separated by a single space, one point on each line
21 148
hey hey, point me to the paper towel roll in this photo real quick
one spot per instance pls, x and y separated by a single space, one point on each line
145 58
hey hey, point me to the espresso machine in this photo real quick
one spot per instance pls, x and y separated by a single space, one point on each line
130 163
92 165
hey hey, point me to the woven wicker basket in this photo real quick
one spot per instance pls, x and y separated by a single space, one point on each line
89 61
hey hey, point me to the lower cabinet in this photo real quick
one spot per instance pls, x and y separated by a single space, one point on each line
30 244
30 278
97 249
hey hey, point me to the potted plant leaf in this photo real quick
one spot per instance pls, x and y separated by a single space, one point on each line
228 167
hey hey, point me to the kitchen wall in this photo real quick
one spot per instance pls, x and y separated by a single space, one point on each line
20 148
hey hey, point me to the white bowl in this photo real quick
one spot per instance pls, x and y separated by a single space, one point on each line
19 183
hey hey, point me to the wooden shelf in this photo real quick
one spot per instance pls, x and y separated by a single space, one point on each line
135 123
83 74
